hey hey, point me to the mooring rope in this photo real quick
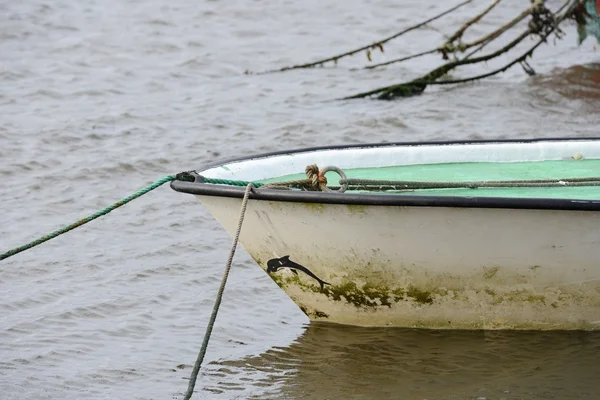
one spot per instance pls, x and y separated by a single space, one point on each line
316 181
215 310
372 184
182 176
217 181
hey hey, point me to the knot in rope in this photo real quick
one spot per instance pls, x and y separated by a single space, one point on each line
315 180
316 177
185 176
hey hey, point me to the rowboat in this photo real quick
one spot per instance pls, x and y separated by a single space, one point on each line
494 234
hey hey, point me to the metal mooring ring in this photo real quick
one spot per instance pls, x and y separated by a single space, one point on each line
341 173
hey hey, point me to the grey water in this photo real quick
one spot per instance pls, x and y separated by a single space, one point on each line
100 98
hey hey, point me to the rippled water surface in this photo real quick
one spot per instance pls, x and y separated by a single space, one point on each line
99 98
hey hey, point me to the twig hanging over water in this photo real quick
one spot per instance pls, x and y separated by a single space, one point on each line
521 59
417 86
495 34
401 59
377 45
543 23
481 43
460 32
449 47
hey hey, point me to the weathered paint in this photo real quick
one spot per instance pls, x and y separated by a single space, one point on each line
439 307
429 267
356 209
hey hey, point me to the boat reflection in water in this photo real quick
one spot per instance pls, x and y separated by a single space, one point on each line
331 361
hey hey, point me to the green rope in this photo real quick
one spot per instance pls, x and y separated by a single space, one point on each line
383 185
232 183
356 184
104 211
184 176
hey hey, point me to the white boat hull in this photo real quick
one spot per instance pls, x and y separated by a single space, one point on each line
465 261
430 267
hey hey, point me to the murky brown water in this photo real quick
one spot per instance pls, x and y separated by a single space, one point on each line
100 98
341 362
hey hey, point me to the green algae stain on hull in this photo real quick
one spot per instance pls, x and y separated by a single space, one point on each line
315 207
356 209
409 305
366 296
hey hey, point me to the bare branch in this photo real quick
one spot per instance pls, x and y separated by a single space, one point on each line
543 23
459 33
377 45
